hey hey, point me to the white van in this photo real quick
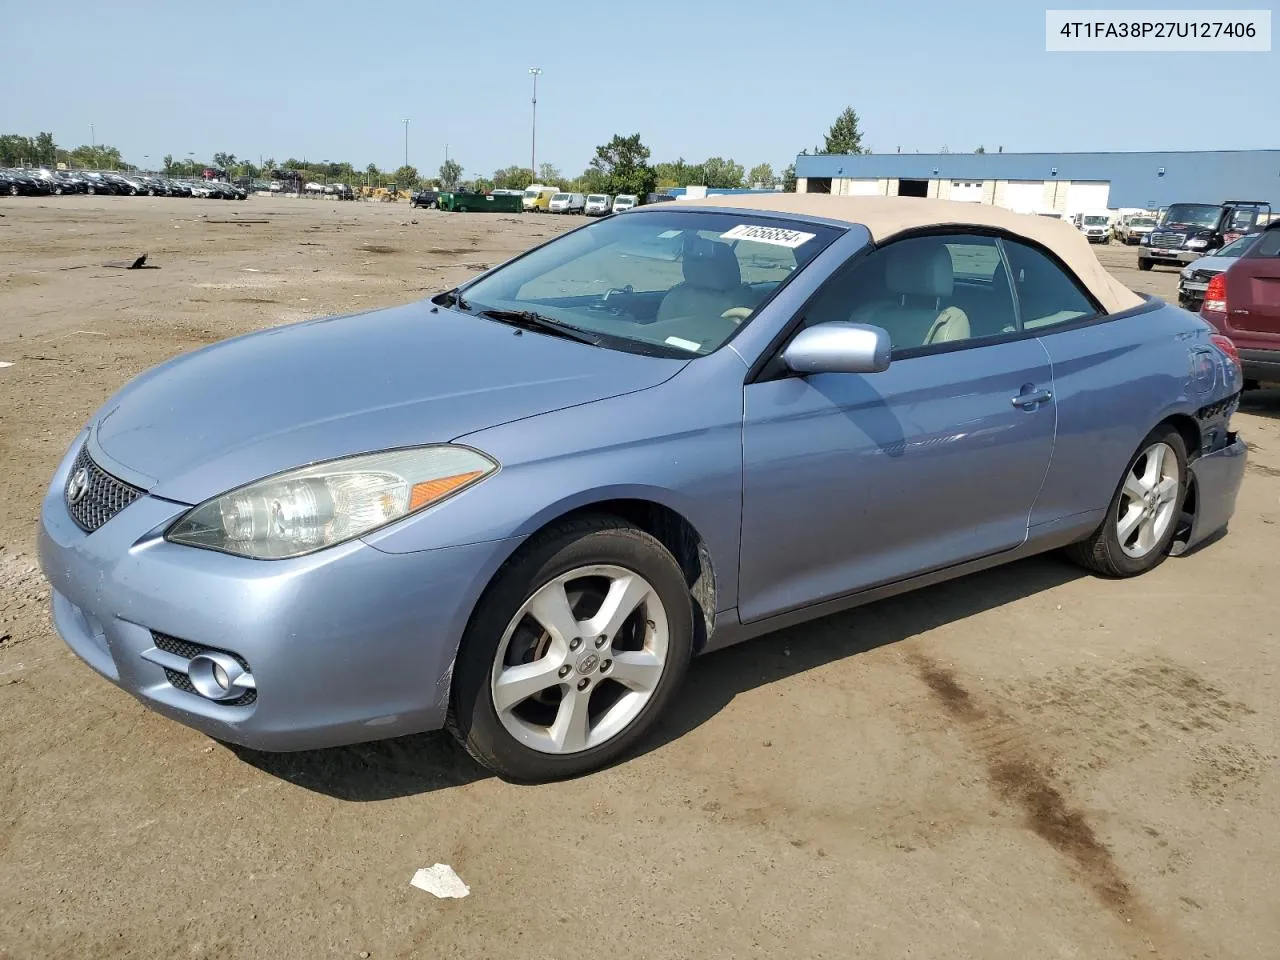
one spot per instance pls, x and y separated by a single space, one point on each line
625 201
598 204
567 203
1095 225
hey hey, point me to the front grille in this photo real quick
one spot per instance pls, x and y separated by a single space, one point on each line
102 496
188 651
1166 241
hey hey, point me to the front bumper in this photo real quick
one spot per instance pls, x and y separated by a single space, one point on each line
1217 477
1160 255
346 645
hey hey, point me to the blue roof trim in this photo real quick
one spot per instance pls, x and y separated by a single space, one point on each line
1137 179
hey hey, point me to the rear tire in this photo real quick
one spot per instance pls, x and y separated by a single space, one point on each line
649 640
1143 516
1144 264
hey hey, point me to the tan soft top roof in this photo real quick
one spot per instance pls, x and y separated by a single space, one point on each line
885 217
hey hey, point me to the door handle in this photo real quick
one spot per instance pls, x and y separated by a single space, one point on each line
1028 400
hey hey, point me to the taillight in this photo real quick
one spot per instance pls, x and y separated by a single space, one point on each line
1227 346
1215 297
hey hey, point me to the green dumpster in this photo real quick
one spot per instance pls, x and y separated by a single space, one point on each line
463 202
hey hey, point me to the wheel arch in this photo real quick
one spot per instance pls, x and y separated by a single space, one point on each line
660 520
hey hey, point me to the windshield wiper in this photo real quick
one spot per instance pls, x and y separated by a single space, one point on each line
528 320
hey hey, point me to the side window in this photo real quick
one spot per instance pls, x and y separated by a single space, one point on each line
1269 245
924 291
1047 295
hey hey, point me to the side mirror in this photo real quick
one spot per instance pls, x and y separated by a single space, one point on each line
838 347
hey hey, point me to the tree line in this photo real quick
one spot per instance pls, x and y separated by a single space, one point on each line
620 166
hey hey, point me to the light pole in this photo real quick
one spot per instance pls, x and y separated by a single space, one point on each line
533 143
93 139
406 141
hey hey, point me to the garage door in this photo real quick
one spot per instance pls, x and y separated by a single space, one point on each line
861 188
969 190
1021 196
1087 196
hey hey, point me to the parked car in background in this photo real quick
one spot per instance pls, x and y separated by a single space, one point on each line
1095 226
538 197
567 203
425 198
1188 231
1243 303
625 201
597 204
1195 277
1131 230
520 508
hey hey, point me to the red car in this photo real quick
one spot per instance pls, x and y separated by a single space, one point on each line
1244 304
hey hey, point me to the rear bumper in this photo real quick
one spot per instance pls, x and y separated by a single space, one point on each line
1217 478
1261 365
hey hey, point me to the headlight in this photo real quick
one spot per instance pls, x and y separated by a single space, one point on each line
305 510
1197 244
1145 241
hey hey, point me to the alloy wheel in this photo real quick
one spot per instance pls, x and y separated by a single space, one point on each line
580 659
1148 501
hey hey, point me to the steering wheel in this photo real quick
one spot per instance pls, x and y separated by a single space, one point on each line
736 314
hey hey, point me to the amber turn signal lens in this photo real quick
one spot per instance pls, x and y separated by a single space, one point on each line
424 493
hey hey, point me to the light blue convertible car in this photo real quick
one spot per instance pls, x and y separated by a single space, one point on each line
519 508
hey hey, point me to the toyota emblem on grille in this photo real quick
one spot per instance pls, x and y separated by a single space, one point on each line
78 486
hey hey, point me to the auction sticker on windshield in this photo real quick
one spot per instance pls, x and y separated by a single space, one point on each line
778 236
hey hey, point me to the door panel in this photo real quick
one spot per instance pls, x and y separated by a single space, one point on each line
852 481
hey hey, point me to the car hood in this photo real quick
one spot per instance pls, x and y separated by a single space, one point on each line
1220 264
247 408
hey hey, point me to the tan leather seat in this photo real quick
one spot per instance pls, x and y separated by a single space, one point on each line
712 284
920 273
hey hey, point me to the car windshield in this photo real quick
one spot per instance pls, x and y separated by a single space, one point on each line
1237 248
1142 222
531 194
624 199
1095 221
1193 214
596 198
675 283
560 197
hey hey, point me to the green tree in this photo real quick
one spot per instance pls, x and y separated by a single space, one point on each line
224 161
844 137
718 172
549 174
761 173
46 149
168 165
406 176
513 177
623 164
450 173
789 178
482 185
981 149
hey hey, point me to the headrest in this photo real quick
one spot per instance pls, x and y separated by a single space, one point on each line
710 265
919 268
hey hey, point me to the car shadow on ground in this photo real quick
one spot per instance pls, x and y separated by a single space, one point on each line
424 763
715 679
1262 403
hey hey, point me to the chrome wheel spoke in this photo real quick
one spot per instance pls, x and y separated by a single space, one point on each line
1134 487
1167 489
1128 521
1155 466
625 594
637 670
572 727
550 607
1146 535
517 684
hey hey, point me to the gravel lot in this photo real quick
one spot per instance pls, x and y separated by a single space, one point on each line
1028 763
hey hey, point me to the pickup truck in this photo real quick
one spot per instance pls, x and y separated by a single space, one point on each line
1187 231
1131 230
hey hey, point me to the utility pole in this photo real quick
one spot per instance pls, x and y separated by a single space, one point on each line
406 141
93 139
533 143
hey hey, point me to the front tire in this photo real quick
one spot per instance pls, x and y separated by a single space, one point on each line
1144 264
1143 516
575 649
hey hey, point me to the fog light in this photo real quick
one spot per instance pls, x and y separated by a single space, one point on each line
219 676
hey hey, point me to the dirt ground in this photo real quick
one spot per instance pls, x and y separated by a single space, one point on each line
1028 763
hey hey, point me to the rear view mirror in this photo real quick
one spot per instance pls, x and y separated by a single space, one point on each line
838 347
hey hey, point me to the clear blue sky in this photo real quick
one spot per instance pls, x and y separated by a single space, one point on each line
752 80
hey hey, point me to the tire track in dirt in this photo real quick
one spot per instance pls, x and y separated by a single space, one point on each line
1024 782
